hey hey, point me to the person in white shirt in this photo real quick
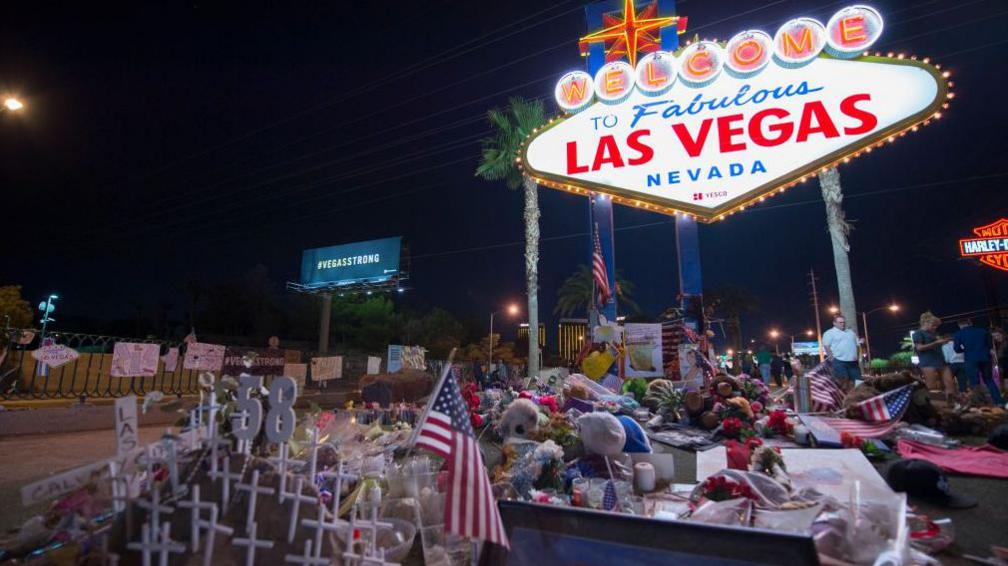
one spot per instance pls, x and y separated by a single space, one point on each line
841 345
957 364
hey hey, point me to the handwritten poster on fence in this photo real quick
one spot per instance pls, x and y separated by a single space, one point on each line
203 357
134 359
324 369
298 372
170 360
55 355
373 365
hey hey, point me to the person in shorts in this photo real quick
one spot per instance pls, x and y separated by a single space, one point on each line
841 345
928 345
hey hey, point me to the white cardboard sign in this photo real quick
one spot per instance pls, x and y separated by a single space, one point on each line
55 355
126 425
324 369
134 359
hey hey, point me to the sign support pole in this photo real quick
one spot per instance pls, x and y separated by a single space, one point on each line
323 341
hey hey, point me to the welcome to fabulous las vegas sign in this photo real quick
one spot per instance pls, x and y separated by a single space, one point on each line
717 126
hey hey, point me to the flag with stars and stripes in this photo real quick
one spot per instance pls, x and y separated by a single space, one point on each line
446 430
887 406
599 273
609 496
879 415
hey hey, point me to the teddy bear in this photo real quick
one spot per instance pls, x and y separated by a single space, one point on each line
520 421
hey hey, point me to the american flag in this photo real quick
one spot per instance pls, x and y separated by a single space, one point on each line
599 271
826 396
609 496
470 508
880 415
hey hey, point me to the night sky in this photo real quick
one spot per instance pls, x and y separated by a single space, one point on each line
197 140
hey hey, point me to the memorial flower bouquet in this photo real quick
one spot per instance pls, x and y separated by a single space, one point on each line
720 488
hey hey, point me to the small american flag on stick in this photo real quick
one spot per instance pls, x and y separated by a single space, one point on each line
470 508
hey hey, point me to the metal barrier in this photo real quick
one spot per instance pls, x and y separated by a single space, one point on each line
22 377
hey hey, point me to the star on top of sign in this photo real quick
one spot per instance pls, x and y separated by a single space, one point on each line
636 32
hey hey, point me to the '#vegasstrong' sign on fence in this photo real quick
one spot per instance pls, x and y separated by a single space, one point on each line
714 127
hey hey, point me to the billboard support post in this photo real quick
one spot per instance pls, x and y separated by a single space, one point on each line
323 339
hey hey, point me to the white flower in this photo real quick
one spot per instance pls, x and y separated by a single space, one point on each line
150 399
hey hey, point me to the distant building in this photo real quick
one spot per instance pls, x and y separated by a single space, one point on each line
521 344
572 334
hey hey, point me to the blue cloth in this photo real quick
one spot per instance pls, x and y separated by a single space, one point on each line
974 343
636 440
846 370
976 371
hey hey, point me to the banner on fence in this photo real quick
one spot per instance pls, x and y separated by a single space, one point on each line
406 357
292 356
134 359
324 369
298 372
203 357
263 362
170 360
55 355
373 365
126 425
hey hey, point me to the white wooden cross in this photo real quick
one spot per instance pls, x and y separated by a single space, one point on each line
154 508
214 443
298 498
195 506
168 443
160 543
212 528
340 475
227 476
321 525
369 555
254 490
307 558
282 462
252 543
313 460
358 523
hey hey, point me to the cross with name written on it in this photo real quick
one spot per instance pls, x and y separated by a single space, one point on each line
990 244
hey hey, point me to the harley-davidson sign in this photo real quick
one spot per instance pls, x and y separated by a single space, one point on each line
714 127
990 245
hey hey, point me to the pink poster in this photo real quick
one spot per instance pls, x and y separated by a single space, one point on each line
133 359
203 357
170 360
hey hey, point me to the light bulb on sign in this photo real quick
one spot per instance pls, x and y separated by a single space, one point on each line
701 63
656 73
749 52
798 42
614 81
573 92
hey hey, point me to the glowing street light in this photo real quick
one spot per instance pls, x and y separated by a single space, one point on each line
892 307
834 309
512 310
12 104
810 333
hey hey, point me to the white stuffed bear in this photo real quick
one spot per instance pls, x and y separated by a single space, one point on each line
601 433
519 421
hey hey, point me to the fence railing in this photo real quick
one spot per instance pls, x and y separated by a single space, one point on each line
22 377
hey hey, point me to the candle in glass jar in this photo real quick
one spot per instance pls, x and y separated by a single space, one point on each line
644 476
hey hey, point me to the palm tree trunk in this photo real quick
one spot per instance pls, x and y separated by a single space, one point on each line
532 272
839 229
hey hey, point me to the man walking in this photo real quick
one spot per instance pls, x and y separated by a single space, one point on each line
975 343
841 345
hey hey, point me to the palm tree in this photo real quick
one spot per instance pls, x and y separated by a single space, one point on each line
839 229
511 126
731 303
575 294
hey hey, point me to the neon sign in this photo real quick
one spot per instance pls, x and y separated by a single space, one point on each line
990 245
718 126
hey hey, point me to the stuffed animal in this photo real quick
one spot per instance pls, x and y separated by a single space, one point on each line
636 441
601 433
520 420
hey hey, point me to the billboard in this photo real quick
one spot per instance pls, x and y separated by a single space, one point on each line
373 261
716 127
805 348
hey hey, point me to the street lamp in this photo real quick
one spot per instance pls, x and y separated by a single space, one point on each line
775 334
512 310
834 309
47 307
12 104
893 308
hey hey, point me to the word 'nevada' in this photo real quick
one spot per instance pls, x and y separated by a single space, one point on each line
767 128
797 43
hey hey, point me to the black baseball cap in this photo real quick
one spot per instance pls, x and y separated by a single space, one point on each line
924 480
